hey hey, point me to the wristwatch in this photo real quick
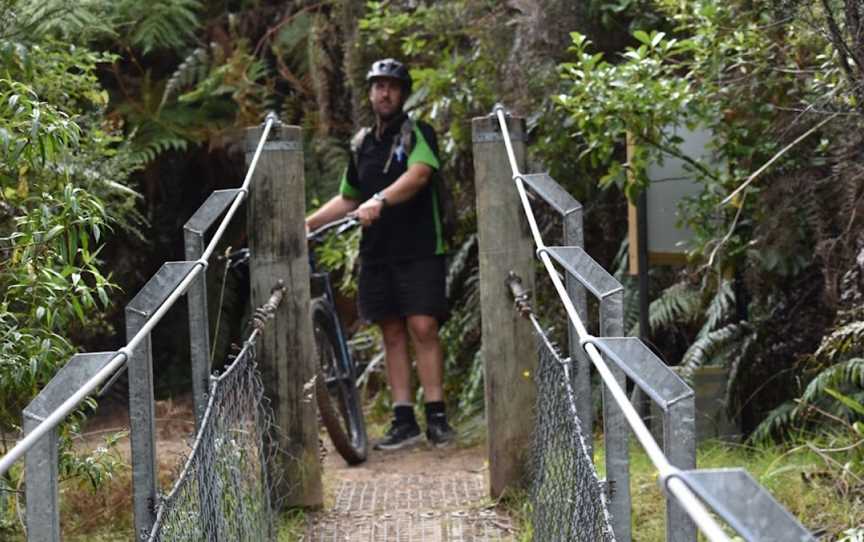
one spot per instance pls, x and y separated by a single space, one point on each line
378 196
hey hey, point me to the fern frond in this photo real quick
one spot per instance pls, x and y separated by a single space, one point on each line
843 375
715 348
81 20
679 303
777 421
847 375
163 24
719 308
740 354
146 151
193 69
847 340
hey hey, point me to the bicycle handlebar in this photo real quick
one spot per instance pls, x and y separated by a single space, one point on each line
343 224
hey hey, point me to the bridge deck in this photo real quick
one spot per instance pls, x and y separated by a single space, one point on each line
415 495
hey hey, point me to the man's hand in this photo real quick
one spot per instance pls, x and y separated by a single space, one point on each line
369 211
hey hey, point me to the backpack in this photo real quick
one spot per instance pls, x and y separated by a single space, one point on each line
446 205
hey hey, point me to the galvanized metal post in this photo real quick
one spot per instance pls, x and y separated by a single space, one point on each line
141 405
676 399
584 269
615 430
199 345
571 214
43 506
679 445
199 332
574 237
41 490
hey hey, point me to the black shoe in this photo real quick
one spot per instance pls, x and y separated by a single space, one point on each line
398 436
438 431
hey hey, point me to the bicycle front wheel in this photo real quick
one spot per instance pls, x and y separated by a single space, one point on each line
335 391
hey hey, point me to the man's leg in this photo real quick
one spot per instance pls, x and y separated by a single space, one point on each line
396 357
430 355
404 429
430 369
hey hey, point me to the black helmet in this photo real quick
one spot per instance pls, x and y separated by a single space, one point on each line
391 68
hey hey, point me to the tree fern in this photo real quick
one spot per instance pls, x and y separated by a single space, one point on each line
161 24
78 21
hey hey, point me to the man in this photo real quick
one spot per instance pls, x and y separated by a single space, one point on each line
389 187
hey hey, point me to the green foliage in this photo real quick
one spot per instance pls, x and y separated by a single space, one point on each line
339 254
765 80
161 24
639 98
63 169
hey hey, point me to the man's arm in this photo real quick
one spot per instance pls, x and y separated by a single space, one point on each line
336 208
402 189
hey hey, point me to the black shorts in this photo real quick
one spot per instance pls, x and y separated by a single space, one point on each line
400 289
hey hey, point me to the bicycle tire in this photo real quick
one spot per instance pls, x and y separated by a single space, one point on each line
335 392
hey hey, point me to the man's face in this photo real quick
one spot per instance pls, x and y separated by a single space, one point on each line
386 96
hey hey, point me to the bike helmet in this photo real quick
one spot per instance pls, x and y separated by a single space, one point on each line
391 68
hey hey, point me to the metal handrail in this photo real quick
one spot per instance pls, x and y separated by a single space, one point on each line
123 354
668 474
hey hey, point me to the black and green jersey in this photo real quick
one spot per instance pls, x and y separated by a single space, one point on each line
408 230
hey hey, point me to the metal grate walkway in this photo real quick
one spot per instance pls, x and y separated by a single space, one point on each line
379 506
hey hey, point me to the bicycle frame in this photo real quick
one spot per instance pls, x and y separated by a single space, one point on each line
320 280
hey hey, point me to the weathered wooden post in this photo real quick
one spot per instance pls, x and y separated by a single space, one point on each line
509 349
277 241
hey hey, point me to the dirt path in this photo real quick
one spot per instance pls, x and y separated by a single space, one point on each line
418 494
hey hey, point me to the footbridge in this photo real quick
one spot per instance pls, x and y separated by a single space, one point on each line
255 450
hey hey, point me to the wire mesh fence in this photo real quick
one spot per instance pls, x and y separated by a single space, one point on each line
567 499
223 490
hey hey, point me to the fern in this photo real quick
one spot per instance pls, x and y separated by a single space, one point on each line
162 24
844 375
79 21
193 69
741 353
715 348
842 342
777 421
678 304
821 391
718 309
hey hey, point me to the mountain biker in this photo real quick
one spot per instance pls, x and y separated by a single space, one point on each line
389 187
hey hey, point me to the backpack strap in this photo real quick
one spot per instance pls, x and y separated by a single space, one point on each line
405 141
357 142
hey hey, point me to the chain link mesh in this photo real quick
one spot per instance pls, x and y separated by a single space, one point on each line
567 499
223 491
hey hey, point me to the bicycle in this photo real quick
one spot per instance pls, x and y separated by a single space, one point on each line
335 384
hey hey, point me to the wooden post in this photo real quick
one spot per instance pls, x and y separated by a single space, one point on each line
509 349
277 241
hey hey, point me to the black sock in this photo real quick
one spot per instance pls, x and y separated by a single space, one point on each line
404 414
435 409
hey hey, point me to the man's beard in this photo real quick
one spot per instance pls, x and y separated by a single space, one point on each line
388 111
388 116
